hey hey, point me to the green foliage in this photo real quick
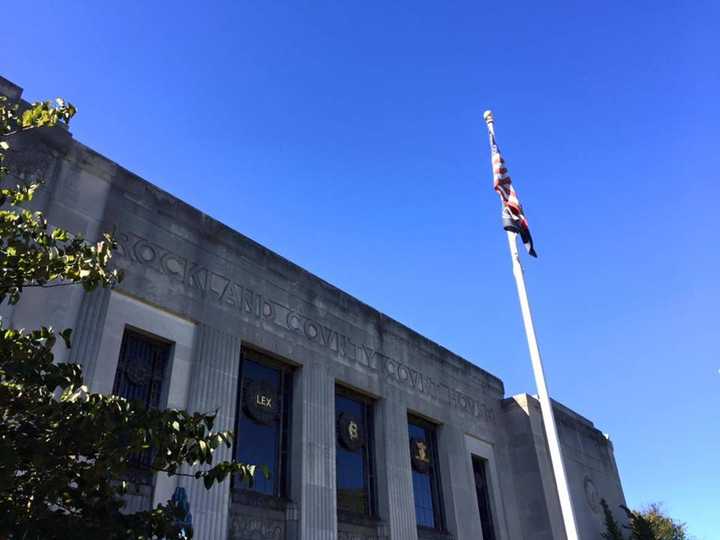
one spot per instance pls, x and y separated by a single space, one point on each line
32 254
640 528
648 524
39 114
65 452
612 529
663 526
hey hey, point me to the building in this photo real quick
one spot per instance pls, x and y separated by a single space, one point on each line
370 430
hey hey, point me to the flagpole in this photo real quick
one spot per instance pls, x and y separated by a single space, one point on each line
561 482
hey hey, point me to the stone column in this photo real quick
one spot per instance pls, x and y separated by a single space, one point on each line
458 484
213 385
88 331
398 481
318 506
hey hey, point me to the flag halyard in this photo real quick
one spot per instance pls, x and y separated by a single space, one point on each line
513 217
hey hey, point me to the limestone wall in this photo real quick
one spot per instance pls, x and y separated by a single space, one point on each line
589 462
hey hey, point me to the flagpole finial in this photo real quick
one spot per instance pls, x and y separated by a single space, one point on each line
490 121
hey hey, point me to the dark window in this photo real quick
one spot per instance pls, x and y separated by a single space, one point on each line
261 435
483 497
140 377
425 474
354 453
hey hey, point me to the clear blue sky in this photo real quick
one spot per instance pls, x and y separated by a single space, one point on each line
348 137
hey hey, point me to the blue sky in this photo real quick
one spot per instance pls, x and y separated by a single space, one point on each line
349 138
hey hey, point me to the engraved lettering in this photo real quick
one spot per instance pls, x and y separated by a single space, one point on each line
194 276
430 386
173 265
462 401
310 329
198 278
122 242
369 355
267 310
349 348
145 252
293 321
230 295
416 379
248 300
218 284
402 373
329 338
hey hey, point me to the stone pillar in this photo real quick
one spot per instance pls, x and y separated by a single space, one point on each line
213 385
458 484
88 331
398 481
318 505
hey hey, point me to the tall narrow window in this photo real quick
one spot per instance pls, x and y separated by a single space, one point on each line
140 377
425 475
483 497
261 437
354 453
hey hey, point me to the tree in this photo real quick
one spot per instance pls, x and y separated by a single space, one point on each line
612 529
65 452
663 526
639 527
648 524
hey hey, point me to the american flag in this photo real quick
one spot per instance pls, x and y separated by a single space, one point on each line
513 217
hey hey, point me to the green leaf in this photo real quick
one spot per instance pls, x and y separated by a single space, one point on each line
208 480
65 334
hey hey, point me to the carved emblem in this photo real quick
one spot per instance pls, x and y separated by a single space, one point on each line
255 528
591 495
350 432
261 402
420 455
137 372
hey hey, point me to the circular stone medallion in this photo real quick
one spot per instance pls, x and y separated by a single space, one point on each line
350 432
591 494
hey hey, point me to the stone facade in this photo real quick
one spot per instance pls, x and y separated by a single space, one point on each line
210 291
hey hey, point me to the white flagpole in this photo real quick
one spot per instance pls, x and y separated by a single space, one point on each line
566 505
